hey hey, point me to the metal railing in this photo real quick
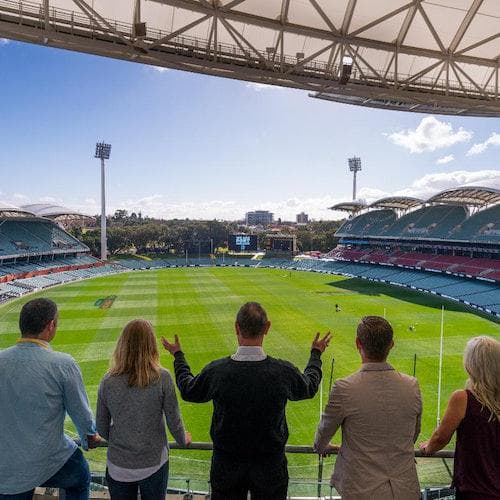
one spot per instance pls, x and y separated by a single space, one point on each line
318 484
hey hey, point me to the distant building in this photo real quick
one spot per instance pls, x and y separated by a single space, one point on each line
302 218
259 217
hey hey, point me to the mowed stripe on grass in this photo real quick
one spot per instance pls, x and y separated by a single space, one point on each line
200 304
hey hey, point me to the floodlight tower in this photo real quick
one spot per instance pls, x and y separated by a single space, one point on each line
354 167
103 151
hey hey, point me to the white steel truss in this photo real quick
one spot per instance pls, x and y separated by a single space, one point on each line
439 56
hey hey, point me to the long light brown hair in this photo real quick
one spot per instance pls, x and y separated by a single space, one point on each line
482 363
136 354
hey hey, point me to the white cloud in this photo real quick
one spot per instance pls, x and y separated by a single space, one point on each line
160 69
445 159
19 198
4 41
430 134
156 205
258 87
481 147
431 184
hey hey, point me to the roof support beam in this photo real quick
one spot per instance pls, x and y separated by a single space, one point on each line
236 34
310 58
349 12
232 4
384 18
96 17
46 13
464 26
410 15
325 18
464 73
178 32
431 28
326 35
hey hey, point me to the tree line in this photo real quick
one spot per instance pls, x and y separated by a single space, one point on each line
132 233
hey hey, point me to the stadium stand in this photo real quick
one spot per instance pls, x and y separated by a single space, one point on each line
444 217
482 226
369 223
24 237
448 245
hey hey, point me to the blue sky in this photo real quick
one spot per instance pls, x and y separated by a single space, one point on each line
187 145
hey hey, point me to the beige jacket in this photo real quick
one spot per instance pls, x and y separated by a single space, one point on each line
379 411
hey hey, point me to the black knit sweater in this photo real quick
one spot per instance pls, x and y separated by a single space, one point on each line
249 399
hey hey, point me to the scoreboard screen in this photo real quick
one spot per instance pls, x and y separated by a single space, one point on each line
243 242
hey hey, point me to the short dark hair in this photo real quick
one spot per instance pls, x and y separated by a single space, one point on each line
251 319
35 316
375 334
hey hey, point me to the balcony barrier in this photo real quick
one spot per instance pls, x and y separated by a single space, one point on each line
196 489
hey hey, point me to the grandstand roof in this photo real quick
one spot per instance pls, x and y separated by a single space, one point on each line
468 195
349 206
8 210
54 211
421 55
397 202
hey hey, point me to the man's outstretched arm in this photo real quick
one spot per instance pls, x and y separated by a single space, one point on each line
305 385
196 389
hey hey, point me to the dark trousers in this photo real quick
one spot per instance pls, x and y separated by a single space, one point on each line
153 487
73 477
231 478
463 495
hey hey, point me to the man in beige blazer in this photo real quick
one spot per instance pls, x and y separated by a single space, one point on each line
379 411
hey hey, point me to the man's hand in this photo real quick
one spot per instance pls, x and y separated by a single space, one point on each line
94 440
171 348
321 344
189 439
423 447
331 449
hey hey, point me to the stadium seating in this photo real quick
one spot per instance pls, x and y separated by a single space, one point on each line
368 223
21 237
483 226
457 264
434 222
44 265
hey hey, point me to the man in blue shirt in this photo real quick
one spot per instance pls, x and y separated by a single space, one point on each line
38 386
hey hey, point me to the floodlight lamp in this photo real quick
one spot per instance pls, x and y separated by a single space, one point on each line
354 164
102 151
347 61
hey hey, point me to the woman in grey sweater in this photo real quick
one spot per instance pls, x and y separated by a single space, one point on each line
135 398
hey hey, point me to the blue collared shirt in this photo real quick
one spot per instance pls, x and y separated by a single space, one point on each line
38 386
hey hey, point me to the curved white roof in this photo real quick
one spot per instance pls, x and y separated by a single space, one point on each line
349 206
468 195
397 202
417 55
8 210
54 211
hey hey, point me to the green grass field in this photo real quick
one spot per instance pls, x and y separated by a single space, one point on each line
200 304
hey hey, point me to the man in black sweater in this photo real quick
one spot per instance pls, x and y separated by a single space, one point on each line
249 391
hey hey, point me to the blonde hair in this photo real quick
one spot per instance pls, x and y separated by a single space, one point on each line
482 363
136 354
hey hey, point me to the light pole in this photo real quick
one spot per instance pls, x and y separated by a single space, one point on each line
354 167
103 151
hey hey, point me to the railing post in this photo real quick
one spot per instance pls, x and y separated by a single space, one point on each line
320 474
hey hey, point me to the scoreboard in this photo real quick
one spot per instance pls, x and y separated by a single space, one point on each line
243 242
